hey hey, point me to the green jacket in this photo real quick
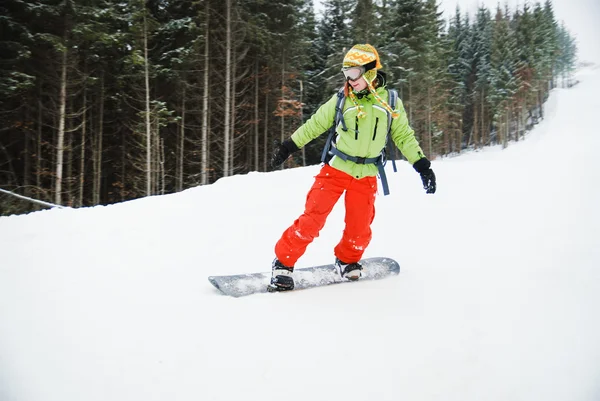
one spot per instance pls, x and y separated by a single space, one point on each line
365 137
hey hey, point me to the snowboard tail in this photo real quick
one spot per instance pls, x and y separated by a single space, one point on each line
239 285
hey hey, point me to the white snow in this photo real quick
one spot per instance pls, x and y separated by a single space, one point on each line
498 296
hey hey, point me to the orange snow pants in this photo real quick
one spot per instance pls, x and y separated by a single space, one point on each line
329 186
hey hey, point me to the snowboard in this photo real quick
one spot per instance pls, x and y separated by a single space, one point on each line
239 285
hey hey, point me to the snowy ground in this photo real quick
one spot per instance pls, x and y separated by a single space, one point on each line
498 297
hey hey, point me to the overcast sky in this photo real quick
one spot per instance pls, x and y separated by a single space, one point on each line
581 17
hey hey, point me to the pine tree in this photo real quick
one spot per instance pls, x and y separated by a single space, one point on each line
363 22
17 135
551 29
15 50
335 39
481 66
458 40
177 55
567 55
502 75
524 30
544 43
434 84
311 93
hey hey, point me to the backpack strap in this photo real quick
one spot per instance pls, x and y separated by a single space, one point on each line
379 161
339 118
358 160
392 101
339 110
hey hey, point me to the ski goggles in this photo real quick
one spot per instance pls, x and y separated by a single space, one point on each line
353 73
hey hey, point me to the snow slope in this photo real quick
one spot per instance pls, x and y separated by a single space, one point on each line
498 297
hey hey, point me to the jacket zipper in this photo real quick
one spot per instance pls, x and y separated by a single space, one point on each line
375 130
356 128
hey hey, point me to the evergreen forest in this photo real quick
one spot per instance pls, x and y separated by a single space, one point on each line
103 101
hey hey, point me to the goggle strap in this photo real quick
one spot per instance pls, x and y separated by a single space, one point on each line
370 66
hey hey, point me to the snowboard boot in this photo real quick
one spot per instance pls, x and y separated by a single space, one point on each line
281 279
348 271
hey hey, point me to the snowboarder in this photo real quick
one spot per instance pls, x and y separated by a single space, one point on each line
352 169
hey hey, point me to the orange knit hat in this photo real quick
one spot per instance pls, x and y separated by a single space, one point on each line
365 55
360 55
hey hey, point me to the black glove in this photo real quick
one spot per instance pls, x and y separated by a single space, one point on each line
282 152
423 167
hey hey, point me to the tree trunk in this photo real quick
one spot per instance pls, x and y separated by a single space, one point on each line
282 96
69 152
266 133
82 150
541 96
302 122
181 145
61 130
523 120
148 127
233 115
162 166
517 117
158 159
430 135
256 116
461 135
204 156
282 127
507 130
27 159
124 177
483 137
410 110
227 123
99 150
38 151
475 134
